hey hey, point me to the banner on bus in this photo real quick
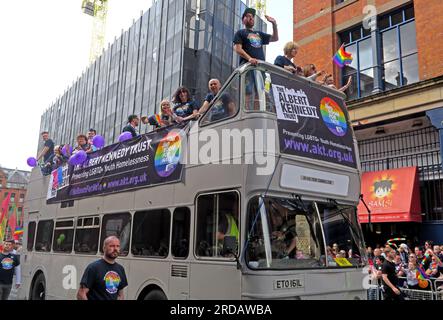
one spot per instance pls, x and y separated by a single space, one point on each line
151 159
312 123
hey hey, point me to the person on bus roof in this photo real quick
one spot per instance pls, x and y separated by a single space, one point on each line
185 108
290 51
249 43
132 125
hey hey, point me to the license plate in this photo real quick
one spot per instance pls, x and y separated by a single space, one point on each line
284 284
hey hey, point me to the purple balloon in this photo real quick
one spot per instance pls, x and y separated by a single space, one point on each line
65 150
98 141
125 136
32 162
78 158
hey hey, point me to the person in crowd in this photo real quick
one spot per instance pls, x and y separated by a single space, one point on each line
376 269
59 158
132 125
164 118
9 262
335 249
329 82
82 144
290 51
399 265
104 279
411 276
370 254
404 252
389 277
429 244
249 43
330 255
47 153
310 72
433 270
438 252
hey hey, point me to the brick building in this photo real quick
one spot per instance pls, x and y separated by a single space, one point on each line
14 182
396 97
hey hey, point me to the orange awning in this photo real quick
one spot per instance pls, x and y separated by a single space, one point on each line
391 195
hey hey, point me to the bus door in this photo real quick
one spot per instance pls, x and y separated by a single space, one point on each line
214 274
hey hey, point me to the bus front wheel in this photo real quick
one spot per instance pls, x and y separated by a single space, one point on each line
38 290
155 295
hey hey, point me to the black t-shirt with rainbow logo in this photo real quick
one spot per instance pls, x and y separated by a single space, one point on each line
252 42
8 262
104 280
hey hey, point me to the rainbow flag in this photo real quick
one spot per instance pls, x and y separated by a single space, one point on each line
342 57
18 231
421 274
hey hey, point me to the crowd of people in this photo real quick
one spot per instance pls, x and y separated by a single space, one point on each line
418 268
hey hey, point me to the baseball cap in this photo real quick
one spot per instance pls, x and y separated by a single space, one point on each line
249 10
9 240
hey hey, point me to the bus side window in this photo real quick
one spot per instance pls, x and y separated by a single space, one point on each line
63 236
150 236
180 233
86 237
217 218
118 225
227 104
31 235
43 240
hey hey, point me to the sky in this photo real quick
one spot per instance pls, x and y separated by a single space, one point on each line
45 48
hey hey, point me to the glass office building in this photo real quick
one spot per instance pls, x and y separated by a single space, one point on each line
175 42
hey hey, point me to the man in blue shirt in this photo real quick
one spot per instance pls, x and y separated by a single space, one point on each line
249 43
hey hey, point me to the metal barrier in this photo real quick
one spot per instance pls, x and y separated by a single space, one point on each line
434 290
438 289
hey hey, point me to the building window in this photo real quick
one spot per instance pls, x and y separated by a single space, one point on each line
22 198
398 54
12 197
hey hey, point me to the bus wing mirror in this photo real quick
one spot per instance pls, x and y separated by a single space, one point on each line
230 246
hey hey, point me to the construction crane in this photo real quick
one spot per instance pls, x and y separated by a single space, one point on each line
98 9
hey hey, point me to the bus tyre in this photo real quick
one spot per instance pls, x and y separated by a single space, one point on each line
155 295
38 290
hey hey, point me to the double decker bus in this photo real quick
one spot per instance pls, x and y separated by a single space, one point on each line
254 200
